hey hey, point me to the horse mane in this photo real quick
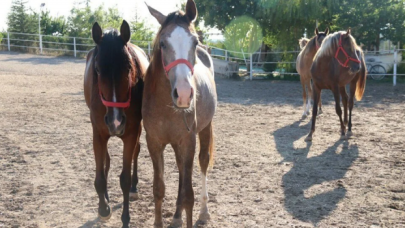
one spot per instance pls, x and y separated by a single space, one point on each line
331 42
121 54
303 42
155 68
310 44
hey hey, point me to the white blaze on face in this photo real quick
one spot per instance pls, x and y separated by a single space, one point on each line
115 110
181 41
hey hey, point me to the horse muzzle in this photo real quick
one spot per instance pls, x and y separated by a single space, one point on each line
115 125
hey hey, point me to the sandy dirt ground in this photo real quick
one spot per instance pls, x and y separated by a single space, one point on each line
265 174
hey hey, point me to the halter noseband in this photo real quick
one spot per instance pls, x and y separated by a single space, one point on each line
348 58
175 63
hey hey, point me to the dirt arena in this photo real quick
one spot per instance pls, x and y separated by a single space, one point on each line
265 174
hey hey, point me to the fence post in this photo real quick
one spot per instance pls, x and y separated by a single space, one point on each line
149 48
226 55
8 41
251 67
395 67
40 43
74 45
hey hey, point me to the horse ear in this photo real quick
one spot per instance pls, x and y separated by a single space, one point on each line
125 31
349 31
316 31
96 33
327 31
158 15
191 10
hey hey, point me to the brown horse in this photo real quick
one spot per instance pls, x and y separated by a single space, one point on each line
113 88
179 102
303 66
339 62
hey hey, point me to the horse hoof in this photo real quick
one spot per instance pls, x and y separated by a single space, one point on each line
133 196
106 215
349 134
308 139
343 137
320 112
204 217
176 223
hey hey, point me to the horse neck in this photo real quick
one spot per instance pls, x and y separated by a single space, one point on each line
310 48
136 64
156 83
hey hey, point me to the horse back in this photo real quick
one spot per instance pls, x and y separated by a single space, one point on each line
141 59
88 77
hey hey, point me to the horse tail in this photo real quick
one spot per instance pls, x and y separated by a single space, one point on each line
303 42
211 149
361 81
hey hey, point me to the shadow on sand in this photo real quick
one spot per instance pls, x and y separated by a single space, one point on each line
330 166
97 220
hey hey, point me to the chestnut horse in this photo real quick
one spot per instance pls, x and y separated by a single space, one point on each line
339 62
179 102
113 87
304 62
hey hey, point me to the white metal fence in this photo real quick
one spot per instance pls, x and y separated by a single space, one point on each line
250 64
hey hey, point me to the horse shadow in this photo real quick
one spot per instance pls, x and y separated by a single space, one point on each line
97 222
324 170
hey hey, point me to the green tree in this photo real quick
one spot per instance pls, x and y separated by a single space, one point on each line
140 31
372 20
18 20
285 21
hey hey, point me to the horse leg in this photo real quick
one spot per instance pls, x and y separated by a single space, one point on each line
304 97
343 93
185 199
320 105
310 95
156 153
107 169
125 177
353 86
100 183
316 94
336 95
133 194
206 151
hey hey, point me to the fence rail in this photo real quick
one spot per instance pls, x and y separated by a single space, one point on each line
250 63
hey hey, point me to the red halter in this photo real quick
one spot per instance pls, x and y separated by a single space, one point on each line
111 104
348 58
175 63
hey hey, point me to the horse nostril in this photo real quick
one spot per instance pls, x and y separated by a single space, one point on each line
106 120
192 93
175 94
123 119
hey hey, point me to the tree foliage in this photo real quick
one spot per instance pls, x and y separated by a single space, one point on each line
19 20
284 21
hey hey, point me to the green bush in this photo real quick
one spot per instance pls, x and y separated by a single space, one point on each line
270 67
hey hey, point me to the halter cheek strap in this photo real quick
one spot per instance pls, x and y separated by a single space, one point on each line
175 63
348 58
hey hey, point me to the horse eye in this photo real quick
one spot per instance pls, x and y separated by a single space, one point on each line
162 45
